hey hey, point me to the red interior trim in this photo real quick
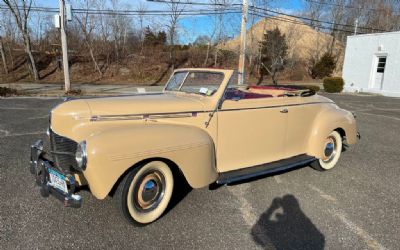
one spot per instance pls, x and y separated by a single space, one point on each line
255 95
272 87
238 94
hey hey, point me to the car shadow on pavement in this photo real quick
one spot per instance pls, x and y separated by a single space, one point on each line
284 226
181 190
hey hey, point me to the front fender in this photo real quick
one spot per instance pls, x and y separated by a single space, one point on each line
113 151
329 119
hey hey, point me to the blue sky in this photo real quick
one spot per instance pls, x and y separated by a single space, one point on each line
193 26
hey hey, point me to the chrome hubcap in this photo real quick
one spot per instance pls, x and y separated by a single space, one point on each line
330 149
149 191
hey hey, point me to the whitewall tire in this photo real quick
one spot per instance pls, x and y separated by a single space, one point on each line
145 192
332 151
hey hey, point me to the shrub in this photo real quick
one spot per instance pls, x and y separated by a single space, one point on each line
315 88
333 84
324 66
73 92
5 91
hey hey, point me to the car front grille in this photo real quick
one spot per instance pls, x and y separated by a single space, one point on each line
63 151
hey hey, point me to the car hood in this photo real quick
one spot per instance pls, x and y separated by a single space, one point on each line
157 103
69 117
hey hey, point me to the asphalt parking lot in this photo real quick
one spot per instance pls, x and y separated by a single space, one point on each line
354 206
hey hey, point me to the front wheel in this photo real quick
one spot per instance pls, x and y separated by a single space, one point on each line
332 151
145 192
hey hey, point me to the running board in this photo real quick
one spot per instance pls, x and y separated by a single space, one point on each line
264 169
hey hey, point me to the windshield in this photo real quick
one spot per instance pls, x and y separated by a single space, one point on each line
197 82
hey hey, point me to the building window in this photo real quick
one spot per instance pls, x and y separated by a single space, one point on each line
381 65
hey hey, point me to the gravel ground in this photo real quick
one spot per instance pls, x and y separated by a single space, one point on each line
354 206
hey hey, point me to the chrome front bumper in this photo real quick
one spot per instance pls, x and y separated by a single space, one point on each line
39 167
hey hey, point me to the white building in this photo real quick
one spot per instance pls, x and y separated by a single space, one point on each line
372 64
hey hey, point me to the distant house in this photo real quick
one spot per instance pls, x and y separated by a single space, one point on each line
372 64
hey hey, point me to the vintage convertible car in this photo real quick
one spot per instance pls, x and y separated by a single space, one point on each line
202 127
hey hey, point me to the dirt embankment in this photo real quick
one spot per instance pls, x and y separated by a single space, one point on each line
304 42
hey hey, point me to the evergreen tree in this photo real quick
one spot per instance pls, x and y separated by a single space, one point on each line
273 54
324 66
154 39
161 38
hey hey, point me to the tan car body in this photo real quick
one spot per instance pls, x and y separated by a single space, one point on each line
121 132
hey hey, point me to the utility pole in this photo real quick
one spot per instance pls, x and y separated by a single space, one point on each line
64 46
242 56
356 27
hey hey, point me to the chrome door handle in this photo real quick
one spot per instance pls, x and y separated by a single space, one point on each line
285 110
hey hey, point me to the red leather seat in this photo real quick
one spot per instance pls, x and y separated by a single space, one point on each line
249 95
231 94
271 87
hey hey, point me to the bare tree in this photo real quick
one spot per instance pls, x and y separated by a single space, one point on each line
221 23
10 32
265 4
314 11
337 16
141 8
3 55
21 11
87 24
251 53
105 31
219 7
371 16
2 52
176 8
119 26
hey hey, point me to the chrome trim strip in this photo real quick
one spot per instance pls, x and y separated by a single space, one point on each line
115 117
181 115
144 116
186 113
276 106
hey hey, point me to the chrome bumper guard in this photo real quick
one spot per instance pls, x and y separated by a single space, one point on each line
39 167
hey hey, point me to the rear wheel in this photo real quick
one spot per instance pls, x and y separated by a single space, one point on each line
145 192
332 151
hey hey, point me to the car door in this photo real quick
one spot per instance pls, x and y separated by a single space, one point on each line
250 132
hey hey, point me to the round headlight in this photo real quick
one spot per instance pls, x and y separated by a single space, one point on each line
80 155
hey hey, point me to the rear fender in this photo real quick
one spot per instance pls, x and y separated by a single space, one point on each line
329 119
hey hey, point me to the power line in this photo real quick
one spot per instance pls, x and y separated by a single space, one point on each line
193 3
279 18
269 10
132 12
35 9
187 13
147 11
315 20
348 6
238 4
